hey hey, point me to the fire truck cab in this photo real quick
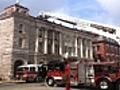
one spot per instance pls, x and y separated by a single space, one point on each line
70 70
107 75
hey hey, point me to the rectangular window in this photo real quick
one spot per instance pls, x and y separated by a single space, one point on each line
41 32
93 48
32 68
98 48
84 53
70 50
99 57
49 46
79 52
65 49
20 42
107 48
56 36
88 53
56 49
84 42
40 47
78 41
50 34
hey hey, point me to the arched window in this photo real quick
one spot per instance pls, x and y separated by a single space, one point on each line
20 28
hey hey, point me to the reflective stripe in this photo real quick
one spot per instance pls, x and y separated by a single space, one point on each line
57 77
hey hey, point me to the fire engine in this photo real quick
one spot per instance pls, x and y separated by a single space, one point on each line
31 72
70 70
107 75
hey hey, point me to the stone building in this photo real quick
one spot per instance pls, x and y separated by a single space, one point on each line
26 39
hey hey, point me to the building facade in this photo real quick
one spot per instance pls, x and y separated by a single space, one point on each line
105 49
25 39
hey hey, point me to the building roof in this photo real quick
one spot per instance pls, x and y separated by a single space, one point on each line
16 5
80 24
103 39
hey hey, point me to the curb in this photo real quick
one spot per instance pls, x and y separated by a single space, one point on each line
3 82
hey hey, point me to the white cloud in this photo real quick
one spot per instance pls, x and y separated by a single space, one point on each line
111 12
112 6
37 6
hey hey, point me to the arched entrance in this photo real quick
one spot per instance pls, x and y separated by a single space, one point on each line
16 64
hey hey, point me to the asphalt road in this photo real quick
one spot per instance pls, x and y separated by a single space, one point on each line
36 86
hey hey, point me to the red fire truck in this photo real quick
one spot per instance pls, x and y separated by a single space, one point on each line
31 72
70 70
107 75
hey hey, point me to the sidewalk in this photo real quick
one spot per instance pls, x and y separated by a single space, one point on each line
10 81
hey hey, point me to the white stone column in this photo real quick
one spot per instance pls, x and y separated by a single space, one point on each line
60 43
53 43
86 43
91 50
81 47
45 42
36 46
76 50
86 51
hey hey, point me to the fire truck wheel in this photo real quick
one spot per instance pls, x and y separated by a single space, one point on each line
50 81
117 86
104 84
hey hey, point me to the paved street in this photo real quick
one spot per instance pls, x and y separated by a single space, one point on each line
34 86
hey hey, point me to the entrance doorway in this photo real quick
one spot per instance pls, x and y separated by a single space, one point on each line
17 64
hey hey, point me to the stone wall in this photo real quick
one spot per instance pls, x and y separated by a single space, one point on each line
6 39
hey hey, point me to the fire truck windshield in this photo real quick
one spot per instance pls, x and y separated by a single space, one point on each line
22 69
73 59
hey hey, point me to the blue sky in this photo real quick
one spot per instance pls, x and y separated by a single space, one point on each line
102 11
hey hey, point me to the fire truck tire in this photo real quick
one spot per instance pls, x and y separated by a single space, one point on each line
50 81
117 86
104 84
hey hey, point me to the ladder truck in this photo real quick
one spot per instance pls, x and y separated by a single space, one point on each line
71 70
